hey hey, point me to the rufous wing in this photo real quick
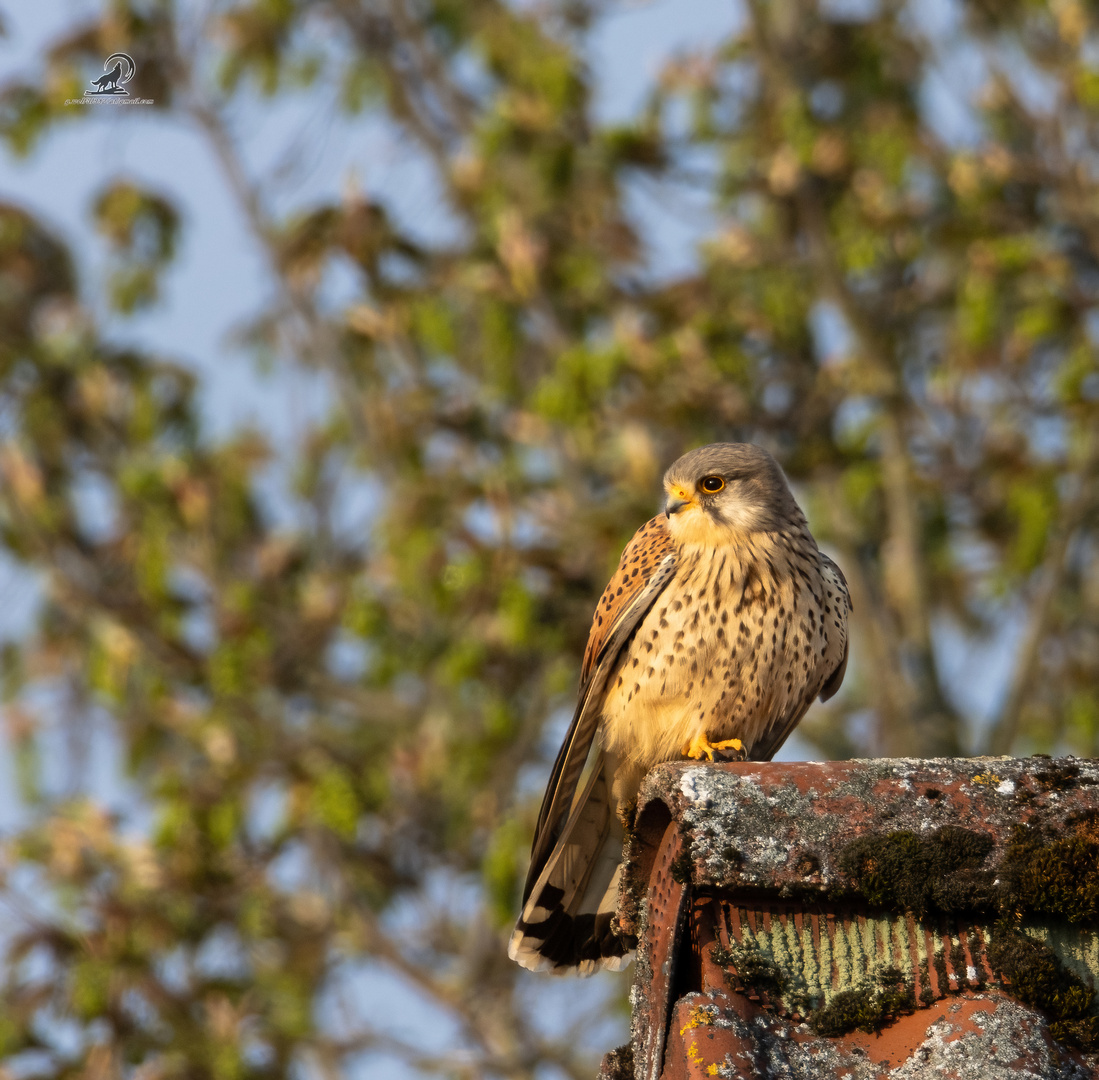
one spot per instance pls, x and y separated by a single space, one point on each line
640 560
647 564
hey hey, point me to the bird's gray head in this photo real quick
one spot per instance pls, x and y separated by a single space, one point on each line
725 490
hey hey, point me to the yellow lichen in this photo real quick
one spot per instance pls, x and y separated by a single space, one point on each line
694 1056
990 779
699 1016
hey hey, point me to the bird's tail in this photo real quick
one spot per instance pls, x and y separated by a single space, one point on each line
568 919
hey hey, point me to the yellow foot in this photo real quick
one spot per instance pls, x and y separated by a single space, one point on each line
700 745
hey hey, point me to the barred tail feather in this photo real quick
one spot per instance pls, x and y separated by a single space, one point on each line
568 919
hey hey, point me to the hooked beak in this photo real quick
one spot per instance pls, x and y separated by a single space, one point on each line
678 499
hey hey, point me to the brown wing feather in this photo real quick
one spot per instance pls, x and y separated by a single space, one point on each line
646 566
639 561
835 680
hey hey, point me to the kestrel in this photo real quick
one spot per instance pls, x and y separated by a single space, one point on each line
720 626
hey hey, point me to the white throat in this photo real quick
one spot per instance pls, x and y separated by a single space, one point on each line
693 525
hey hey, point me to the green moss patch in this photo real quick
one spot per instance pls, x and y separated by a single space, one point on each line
753 969
868 1008
1039 979
1054 876
907 872
1042 872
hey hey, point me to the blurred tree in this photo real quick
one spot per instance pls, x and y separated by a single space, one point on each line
336 740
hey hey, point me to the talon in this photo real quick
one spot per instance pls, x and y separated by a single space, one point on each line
700 745
735 745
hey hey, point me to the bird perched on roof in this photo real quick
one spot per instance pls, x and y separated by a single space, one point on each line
720 626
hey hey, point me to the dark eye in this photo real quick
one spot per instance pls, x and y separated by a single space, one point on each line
711 484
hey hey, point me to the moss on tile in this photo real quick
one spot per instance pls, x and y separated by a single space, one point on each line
1056 876
935 873
1039 979
753 968
866 1008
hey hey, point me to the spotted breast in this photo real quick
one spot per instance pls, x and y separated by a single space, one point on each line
736 647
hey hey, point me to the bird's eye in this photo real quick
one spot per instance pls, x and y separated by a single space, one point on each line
711 484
